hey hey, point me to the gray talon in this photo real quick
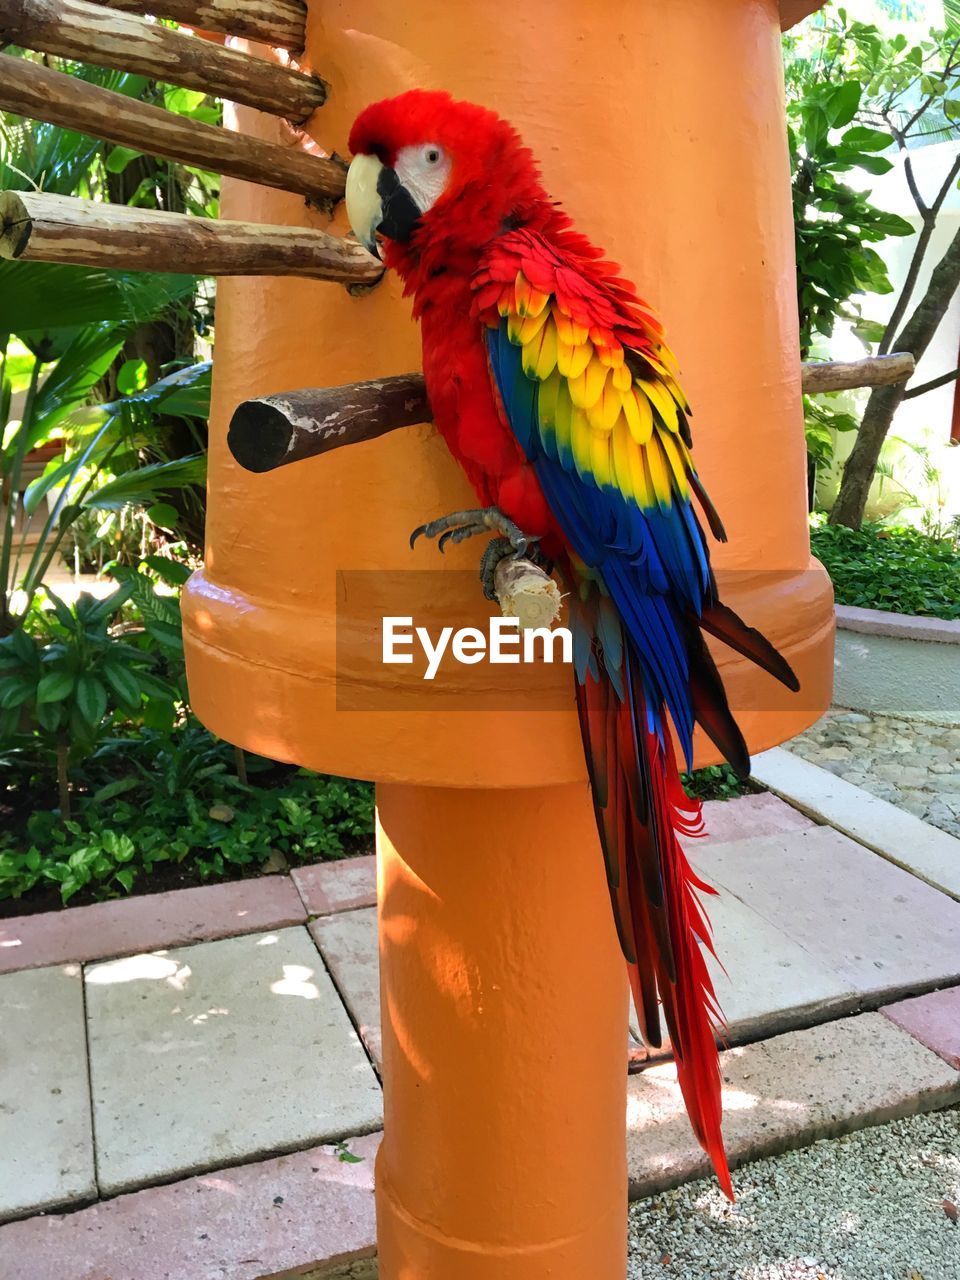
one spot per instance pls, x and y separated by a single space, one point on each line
460 525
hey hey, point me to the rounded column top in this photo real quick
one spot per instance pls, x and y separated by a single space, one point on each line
794 11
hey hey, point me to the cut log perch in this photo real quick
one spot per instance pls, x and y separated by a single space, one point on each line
91 33
526 593
38 227
275 22
275 430
29 89
873 371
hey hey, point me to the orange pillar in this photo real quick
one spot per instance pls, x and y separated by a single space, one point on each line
504 1001
660 127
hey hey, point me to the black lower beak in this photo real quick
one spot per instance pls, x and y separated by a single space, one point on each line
400 214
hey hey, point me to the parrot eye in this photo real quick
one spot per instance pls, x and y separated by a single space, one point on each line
424 170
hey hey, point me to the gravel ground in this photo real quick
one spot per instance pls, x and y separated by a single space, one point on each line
911 763
870 1206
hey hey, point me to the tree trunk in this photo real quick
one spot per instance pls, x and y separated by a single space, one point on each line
63 780
915 337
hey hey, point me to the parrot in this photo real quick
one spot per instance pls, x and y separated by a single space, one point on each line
552 385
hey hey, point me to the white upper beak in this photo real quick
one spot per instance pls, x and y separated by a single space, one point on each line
364 204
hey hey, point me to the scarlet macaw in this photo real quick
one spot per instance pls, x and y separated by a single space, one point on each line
553 387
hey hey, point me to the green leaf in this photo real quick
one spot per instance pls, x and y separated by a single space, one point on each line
872 164
14 693
55 687
91 700
123 683
842 104
114 789
132 376
163 515
119 157
860 138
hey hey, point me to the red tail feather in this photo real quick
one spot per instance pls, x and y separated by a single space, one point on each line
641 806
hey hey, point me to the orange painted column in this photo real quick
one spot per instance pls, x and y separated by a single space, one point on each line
660 128
504 1044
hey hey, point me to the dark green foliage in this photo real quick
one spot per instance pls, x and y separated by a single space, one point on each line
900 570
716 782
163 801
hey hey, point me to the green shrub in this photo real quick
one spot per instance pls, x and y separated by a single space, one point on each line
163 801
715 782
900 570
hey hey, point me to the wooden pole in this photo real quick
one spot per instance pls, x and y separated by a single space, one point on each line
873 371
29 89
274 430
91 33
279 23
38 227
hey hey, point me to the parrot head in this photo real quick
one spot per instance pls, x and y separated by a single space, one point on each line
431 171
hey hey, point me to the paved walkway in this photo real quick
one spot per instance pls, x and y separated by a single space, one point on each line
159 1056
913 764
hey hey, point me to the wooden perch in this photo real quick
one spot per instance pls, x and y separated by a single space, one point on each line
91 33
526 592
874 371
275 430
29 89
275 22
38 227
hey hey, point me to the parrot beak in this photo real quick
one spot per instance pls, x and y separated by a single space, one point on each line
378 203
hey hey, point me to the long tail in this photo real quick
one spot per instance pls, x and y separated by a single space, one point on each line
640 806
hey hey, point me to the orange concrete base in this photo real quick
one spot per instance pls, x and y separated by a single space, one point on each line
504 1002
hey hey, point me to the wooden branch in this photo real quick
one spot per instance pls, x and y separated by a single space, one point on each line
932 385
279 23
38 227
29 89
91 33
874 371
275 430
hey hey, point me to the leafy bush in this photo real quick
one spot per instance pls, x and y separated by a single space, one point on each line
170 806
900 570
715 782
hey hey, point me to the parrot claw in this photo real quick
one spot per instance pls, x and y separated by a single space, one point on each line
460 525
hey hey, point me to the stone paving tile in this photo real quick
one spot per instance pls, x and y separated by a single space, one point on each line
217 1053
326 887
878 927
783 1093
149 921
243 1223
745 818
771 983
934 1020
46 1143
348 944
898 836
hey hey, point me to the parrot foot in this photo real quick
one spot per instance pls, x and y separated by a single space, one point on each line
460 525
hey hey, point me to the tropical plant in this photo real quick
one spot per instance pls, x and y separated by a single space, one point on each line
105 463
910 95
60 689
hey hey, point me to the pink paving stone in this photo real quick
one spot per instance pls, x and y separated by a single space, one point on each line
328 887
934 1020
256 1220
746 818
149 922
